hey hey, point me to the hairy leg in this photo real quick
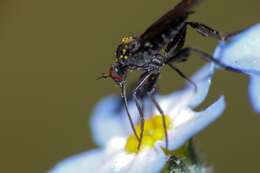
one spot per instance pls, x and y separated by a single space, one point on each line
205 30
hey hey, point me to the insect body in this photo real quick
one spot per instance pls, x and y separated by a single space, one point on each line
161 44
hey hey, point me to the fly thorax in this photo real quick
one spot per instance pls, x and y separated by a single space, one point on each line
128 46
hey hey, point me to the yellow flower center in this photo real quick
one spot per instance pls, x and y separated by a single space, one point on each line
153 131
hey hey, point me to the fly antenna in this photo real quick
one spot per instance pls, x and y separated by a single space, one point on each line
103 76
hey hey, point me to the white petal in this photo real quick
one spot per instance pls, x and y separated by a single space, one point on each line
254 92
82 163
119 161
90 161
113 160
149 160
174 102
242 51
196 122
106 121
185 115
202 79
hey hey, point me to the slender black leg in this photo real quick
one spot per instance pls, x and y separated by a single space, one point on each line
123 95
139 106
184 76
142 104
163 117
185 52
137 103
177 42
205 30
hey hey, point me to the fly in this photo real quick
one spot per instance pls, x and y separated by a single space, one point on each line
161 44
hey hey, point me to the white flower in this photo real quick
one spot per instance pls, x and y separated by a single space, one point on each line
117 146
242 51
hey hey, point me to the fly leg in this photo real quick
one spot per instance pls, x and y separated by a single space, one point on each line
183 76
158 107
205 30
123 95
176 45
140 84
151 88
185 52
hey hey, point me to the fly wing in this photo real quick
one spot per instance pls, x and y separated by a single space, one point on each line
168 21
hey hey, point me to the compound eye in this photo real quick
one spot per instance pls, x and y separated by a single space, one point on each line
114 74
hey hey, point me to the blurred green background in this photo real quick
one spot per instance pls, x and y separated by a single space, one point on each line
52 51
